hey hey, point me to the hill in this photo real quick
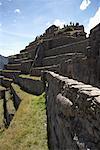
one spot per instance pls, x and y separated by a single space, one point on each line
3 61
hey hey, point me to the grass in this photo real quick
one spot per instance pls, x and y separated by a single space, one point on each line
7 79
13 64
2 88
31 77
1 117
28 129
10 71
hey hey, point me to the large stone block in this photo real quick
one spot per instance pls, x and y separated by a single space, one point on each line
73 113
6 82
10 73
26 66
31 85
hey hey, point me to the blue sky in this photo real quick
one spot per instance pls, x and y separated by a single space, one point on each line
22 20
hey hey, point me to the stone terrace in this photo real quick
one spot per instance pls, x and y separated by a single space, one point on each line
73 107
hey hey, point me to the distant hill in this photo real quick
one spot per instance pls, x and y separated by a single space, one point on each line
3 61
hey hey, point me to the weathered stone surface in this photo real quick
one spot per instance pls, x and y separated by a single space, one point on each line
9 109
16 97
33 86
10 73
57 59
37 70
73 113
26 66
2 92
6 82
13 66
78 47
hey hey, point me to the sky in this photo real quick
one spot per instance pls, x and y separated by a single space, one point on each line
22 20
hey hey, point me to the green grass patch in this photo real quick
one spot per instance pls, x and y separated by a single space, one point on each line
28 129
7 79
2 88
30 77
10 71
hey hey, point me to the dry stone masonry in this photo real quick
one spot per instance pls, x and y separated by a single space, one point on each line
64 64
73 112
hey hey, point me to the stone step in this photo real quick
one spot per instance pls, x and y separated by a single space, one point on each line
6 82
26 66
60 41
17 61
37 71
12 74
27 50
52 43
28 54
31 84
78 47
13 67
54 60
11 59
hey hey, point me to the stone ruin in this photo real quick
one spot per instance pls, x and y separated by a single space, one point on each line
68 64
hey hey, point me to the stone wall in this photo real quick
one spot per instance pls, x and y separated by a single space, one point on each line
16 97
30 85
59 41
82 69
10 74
94 41
26 66
73 114
70 48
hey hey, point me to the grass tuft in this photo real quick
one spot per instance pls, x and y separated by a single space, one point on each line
28 129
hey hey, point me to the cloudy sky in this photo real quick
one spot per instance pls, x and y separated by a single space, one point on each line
22 20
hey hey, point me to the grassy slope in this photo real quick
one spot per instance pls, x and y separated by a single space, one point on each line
28 128
1 116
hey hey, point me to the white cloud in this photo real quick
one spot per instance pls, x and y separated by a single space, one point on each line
56 22
93 21
85 4
0 24
0 3
59 23
48 24
17 11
